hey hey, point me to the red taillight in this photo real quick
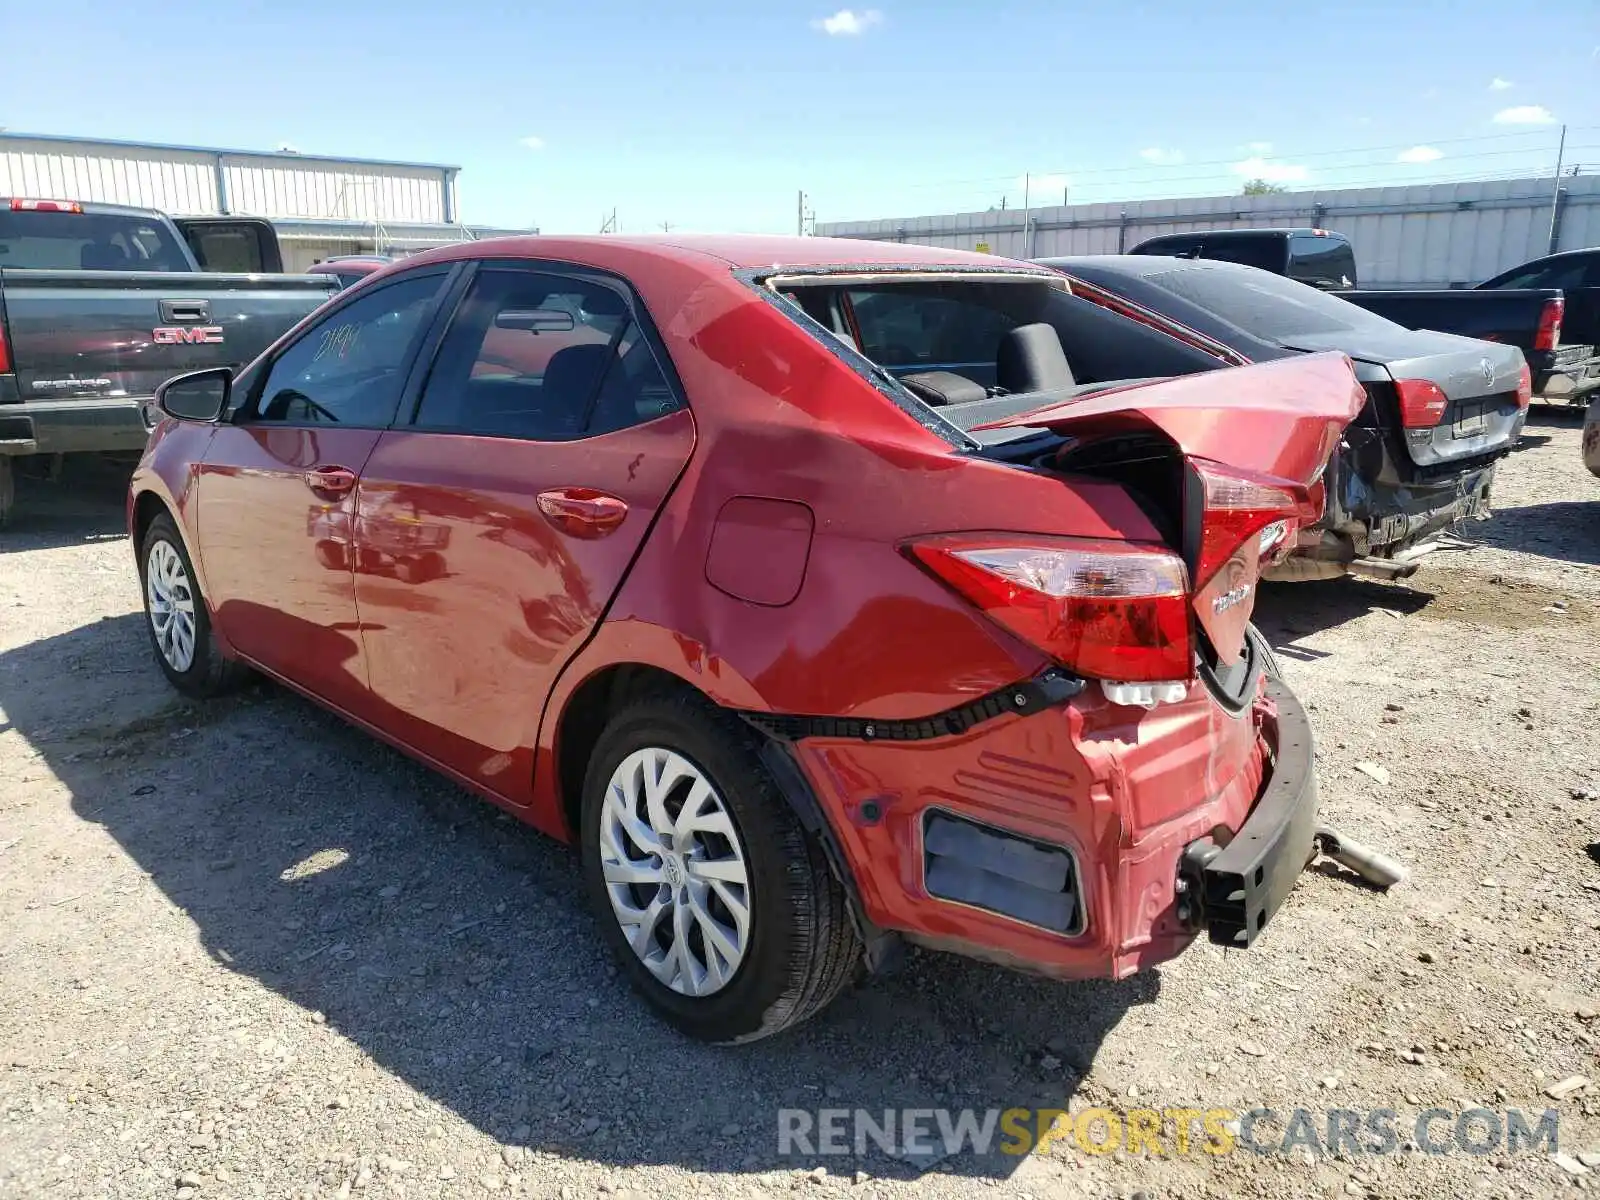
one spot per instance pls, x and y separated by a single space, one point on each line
1235 508
59 206
1524 387
1108 610
5 351
1243 520
1422 403
1549 335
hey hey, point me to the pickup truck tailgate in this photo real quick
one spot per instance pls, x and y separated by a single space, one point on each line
96 335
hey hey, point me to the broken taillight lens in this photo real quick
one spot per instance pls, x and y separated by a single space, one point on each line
1422 403
1233 508
1242 520
1524 387
1103 609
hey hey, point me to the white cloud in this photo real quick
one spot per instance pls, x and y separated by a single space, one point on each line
1273 172
1499 85
847 22
1162 157
1259 147
532 143
1525 114
1420 154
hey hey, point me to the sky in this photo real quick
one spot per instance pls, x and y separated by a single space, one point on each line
706 115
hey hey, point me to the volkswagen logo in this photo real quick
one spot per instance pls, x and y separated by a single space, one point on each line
1487 369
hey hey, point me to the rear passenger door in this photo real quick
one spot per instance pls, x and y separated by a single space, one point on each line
495 521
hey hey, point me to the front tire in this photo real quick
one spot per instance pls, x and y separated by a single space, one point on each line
718 905
177 619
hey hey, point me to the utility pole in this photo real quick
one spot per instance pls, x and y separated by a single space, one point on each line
1555 194
800 214
1027 207
608 222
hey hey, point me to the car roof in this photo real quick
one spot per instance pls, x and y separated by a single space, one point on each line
737 251
1140 265
1262 232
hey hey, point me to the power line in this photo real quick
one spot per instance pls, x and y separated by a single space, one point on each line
1545 134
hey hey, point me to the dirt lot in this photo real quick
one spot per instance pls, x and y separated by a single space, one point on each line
247 951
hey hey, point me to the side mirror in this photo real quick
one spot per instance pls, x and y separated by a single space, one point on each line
198 396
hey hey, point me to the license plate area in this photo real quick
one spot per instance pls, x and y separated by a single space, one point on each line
1471 419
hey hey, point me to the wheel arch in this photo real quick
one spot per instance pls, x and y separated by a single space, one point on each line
583 718
590 706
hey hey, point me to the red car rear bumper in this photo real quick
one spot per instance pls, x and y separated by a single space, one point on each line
956 842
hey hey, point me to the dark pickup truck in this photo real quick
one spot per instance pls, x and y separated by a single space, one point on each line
100 303
1520 308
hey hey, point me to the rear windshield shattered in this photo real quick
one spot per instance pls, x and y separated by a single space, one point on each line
1266 305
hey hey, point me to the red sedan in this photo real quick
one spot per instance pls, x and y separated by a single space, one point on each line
828 595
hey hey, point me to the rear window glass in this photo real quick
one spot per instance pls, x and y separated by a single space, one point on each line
1327 261
1266 305
1267 253
54 241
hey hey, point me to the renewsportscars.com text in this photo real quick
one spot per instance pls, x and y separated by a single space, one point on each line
941 1132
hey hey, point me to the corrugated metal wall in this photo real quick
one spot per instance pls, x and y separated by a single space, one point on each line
1429 235
171 180
274 187
198 181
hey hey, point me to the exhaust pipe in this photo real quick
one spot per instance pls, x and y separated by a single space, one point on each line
1377 869
1384 568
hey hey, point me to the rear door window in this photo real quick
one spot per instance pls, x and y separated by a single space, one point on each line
544 357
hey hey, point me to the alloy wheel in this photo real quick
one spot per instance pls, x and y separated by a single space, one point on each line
169 598
675 871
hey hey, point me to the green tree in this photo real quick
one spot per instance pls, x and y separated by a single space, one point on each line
1260 187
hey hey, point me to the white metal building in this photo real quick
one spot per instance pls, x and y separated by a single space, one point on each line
320 206
1425 235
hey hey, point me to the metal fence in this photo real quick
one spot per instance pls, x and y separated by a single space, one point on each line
1427 235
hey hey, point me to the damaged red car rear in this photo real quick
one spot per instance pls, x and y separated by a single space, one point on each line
828 595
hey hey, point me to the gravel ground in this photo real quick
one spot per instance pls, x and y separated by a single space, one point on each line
247 951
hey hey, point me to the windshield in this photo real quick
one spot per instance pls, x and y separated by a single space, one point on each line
64 241
1264 304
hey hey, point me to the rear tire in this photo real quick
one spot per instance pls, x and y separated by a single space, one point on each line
719 816
177 619
8 490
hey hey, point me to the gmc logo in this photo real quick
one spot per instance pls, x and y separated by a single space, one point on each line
187 335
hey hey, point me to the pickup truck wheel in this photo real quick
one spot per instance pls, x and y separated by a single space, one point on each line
8 490
176 616
720 907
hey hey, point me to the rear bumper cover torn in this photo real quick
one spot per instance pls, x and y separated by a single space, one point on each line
1234 890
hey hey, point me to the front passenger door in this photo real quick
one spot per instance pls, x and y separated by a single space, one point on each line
277 487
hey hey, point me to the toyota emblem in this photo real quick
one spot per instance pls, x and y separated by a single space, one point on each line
1487 368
